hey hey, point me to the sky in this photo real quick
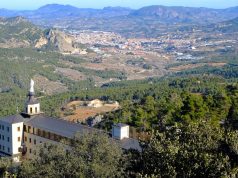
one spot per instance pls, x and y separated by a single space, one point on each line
135 4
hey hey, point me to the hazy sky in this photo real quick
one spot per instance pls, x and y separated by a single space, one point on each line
34 4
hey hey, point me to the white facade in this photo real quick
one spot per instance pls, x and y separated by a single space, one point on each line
17 137
32 109
120 131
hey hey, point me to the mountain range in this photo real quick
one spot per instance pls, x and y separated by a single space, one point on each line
145 22
160 13
57 10
186 14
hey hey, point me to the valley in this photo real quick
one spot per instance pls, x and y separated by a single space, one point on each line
72 57
69 60
119 92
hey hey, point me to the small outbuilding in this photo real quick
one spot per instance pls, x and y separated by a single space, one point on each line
95 103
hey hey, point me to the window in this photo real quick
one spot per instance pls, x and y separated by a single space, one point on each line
31 110
8 150
8 129
8 139
2 127
0 147
25 139
29 140
33 130
19 139
2 137
35 142
43 134
35 109
3 148
18 129
30 150
29 129
49 135
38 132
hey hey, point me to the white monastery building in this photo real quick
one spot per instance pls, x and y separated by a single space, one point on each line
21 134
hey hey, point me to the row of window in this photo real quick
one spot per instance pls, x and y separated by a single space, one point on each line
2 137
44 134
31 110
29 140
2 148
8 128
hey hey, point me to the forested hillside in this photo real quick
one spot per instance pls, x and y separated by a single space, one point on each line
18 32
178 91
187 121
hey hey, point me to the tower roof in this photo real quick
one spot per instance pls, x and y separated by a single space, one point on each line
31 100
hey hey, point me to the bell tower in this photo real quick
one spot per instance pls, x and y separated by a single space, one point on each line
32 106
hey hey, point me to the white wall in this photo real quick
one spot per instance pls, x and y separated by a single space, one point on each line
33 106
120 132
15 135
125 132
10 142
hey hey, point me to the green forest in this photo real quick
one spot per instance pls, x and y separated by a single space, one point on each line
187 123
191 122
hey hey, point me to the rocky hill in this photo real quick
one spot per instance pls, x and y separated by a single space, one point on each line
19 32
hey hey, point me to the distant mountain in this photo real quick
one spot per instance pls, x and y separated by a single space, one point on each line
7 13
231 10
57 7
145 22
116 11
157 12
56 10
228 26
186 14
